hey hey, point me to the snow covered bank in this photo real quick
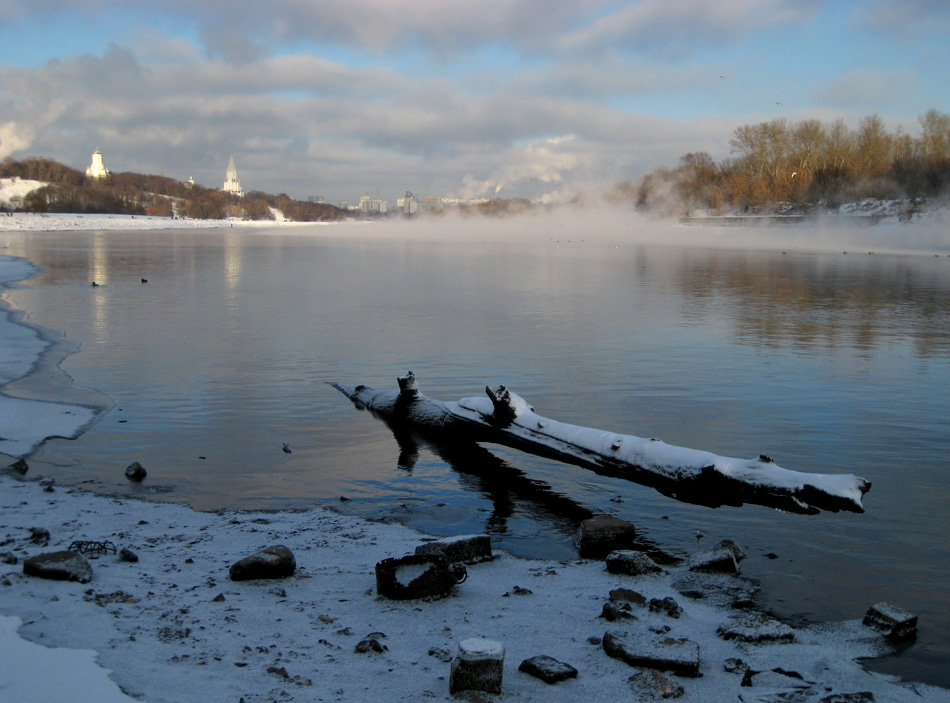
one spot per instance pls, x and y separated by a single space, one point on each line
173 627
26 422
55 222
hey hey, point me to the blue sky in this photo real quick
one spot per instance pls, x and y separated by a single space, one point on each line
531 98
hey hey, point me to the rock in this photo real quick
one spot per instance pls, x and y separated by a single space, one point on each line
443 655
478 666
518 591
275 562
666 605
548 669
614 610
859 697
466 549
20 466
135 472
727 590
724 557
371 644
59 566
625 595
602 534
656 685
416 576
735 666
681 656
8 558
631 563
895 623
755 628
775 679
128 555
39 535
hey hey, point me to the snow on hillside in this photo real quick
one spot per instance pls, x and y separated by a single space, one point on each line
13 190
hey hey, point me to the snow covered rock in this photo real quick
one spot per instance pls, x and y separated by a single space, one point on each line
466 549
727 590
548 669
653 684
631 563
681 656
59 566
275 562
478 666
417 576
895 623
724 557
756 628
602 534
667 606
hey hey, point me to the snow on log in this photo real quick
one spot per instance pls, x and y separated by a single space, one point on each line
688 475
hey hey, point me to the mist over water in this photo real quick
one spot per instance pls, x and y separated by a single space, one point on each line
735 340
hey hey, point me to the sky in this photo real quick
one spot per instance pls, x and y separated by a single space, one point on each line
541 99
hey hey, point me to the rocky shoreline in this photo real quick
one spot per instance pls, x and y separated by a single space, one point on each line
163 610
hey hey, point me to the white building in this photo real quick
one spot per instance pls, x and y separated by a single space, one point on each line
96 169
373 206
231 183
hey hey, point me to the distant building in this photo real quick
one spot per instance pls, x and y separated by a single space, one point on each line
373 206
231 183
96 169
408 205
190 183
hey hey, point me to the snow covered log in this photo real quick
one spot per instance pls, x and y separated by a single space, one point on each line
688 475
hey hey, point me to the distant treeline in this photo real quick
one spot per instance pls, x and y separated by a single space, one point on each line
69 190
807 162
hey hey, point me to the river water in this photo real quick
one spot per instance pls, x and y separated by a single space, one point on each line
828 362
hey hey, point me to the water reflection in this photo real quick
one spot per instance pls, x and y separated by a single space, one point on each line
822 303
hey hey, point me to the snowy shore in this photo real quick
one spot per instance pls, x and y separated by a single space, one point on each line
173 627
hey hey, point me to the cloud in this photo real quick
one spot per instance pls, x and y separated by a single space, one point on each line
908 19
677 28
867 87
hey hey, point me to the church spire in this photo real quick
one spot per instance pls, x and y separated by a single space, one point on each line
231 182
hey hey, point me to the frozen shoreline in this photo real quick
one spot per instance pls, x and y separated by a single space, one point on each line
158 626
173 627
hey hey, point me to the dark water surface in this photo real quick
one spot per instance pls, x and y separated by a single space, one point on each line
829 363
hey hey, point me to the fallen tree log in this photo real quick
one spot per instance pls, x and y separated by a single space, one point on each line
688 475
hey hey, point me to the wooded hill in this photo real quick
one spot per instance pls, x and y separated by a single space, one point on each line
69 190
805 163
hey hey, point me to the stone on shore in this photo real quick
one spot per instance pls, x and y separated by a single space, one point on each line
478 666
417 576
548 669
59 566
655 685
895 623
135 472
602 534
724 558
631 563
465 549
275 562
756 628
680 656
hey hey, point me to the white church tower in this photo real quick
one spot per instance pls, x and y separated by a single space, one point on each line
96 169
231 182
